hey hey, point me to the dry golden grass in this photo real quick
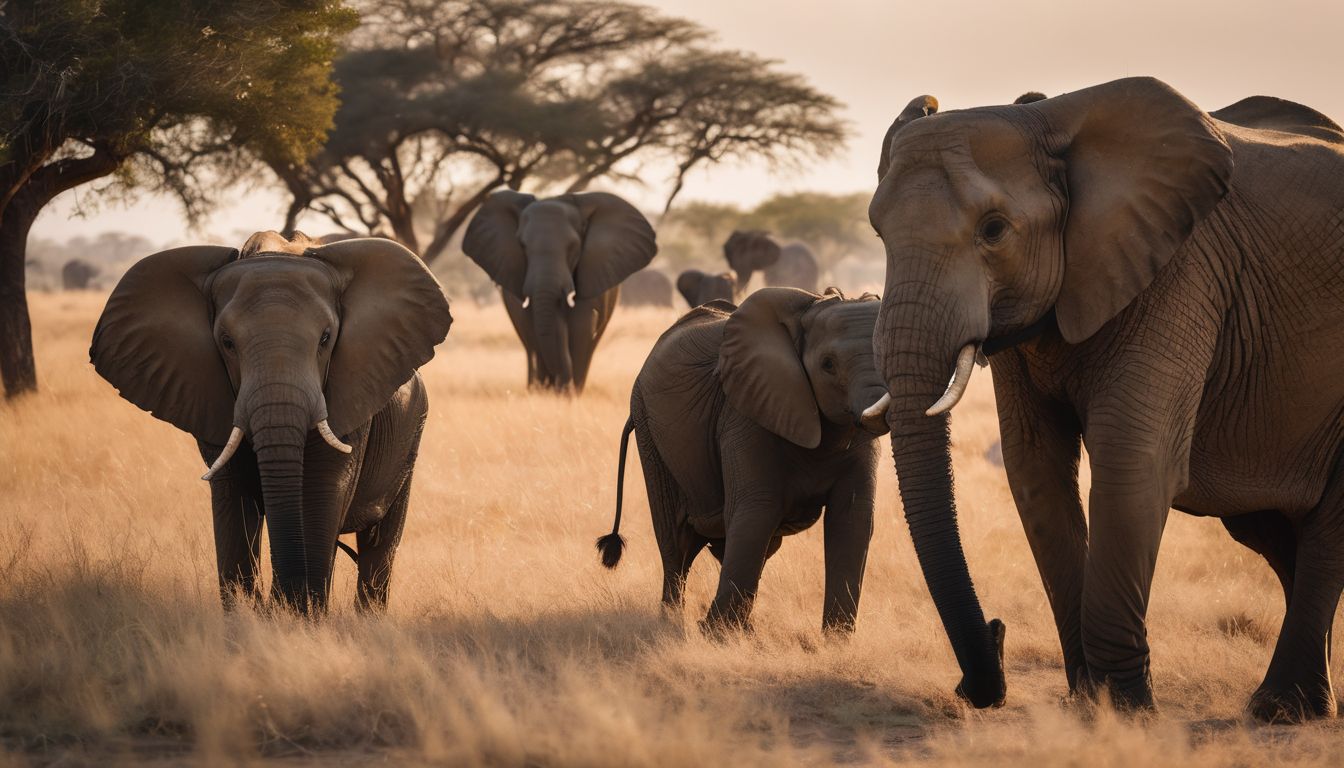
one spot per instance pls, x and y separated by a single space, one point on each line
507 643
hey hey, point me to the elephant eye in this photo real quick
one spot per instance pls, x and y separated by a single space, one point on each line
993 230
828 364
326 336
226 342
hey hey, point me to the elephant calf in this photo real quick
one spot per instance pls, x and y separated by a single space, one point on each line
698 287
749 423
295 369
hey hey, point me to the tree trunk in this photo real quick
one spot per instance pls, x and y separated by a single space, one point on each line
18 370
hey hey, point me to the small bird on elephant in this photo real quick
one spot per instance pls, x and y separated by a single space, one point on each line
749 422
293 364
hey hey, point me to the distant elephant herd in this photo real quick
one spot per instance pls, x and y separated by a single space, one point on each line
1159 284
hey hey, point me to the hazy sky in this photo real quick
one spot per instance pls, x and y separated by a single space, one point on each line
875 55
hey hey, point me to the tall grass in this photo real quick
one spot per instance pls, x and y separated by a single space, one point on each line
507 643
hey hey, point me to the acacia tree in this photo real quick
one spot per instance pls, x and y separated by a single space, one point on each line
171 95
450 100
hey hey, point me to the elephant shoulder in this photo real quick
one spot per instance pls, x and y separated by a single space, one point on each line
1274 114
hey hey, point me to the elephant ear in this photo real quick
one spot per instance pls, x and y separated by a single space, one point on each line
492 239
1268 112
920 106
688 285
617 242
155 342
393 313
1142 167
761 367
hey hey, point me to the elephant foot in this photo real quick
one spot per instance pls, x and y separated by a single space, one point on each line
1293 703
1129 696
719 624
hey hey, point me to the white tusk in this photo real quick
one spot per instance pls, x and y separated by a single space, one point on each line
877 409
332 440
526 300
960 378
231 447
570 299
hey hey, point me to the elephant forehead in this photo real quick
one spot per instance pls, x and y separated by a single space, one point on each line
294 280
551 213
845 319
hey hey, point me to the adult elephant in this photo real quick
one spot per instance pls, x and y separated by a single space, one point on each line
792 264
1159 285
77 275
647 288
698 287
294 367
558 263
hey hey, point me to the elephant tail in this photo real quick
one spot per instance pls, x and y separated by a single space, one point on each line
613 544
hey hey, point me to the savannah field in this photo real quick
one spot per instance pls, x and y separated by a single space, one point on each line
506 642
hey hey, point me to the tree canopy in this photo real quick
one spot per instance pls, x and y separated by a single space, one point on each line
445 101
172 95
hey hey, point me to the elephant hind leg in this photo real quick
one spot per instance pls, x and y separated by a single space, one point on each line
1297 685
1270 534
377 549
678 543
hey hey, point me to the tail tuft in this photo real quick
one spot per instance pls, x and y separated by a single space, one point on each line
611 546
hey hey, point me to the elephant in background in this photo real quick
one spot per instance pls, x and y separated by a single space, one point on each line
77 275
1161 286
294 367
791 264
749 422
647 288
698 287
559 263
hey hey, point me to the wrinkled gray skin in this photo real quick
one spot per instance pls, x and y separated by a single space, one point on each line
792 264
698 287
1171 281
564 257
748 425
272 341
647 288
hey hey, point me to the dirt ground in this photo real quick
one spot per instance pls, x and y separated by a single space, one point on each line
506 643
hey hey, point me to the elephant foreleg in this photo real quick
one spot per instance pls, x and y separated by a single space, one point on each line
1041 453
848 528
237 519
377 548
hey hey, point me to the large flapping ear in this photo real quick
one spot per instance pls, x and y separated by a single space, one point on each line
617 242
1268 112
393 313
761 367
155 342
492 239
688 285
920 106
1142 166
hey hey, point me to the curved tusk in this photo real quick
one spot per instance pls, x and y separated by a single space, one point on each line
231 447
960 378
526 300
332 440
878 409
570 299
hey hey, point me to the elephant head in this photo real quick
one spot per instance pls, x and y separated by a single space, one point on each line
748 251
801 365
268 345
1000 221
698 287
552 253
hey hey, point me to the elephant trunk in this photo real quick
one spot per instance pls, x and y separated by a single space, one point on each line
279 417
918 337
552 333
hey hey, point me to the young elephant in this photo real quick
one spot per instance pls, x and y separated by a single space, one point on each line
295 369
698 287
749 423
